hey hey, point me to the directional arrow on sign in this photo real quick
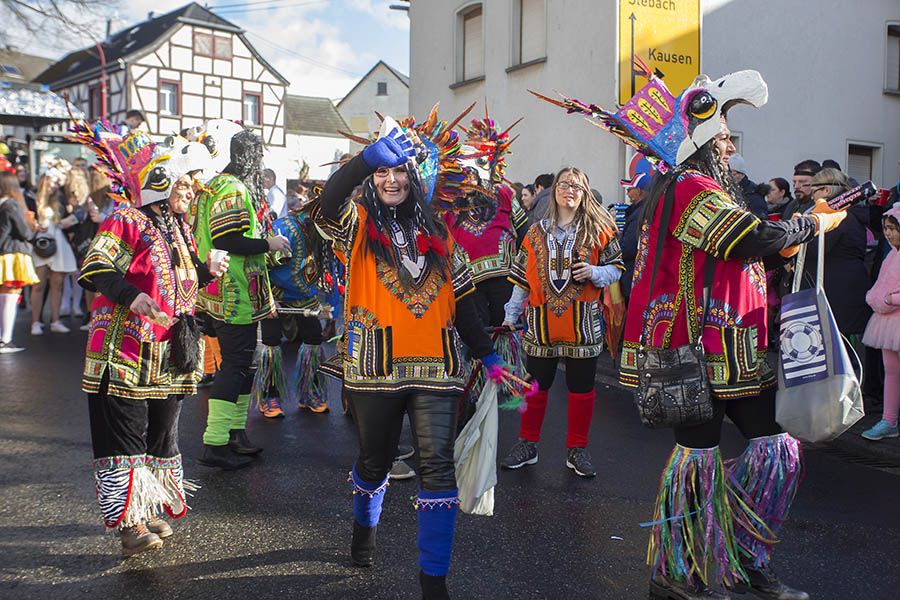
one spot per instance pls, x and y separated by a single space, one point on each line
631 64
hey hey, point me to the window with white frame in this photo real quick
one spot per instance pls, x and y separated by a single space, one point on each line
169 98
252 108
529 31
892 59
471 43
861 162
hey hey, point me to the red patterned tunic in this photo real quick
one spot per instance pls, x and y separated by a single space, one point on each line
490 243
133 348
705 222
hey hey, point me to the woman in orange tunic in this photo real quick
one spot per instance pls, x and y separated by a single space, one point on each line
561 269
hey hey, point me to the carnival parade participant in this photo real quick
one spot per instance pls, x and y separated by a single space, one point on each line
16 266
231 217
492 226
296 286
715 523
409 291
143 343
564 264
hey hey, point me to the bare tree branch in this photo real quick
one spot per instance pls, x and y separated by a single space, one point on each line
71 19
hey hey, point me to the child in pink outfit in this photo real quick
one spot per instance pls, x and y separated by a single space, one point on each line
883 330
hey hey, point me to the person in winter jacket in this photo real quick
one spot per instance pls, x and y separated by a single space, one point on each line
846 276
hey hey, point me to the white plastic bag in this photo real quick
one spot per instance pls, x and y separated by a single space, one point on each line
475 455
818 395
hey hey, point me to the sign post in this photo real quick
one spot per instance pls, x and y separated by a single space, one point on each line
663 33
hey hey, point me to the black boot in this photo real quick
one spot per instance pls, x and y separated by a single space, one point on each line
221 456
434 587
672 589
763 583
238 442
362 546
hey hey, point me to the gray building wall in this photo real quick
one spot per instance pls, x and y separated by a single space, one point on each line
824 63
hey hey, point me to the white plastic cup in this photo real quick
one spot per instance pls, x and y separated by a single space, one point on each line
216 258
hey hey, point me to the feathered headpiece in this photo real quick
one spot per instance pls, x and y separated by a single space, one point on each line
486 148
438 156
665 129
140 171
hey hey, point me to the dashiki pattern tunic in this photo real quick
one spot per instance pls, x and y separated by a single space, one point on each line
241 295
397 339
564 316
490 243
131 348
295 283
705 221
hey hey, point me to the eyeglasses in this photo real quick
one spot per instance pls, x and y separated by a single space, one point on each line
564 185
823 184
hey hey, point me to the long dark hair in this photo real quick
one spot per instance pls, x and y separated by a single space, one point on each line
413 213
246 164
782 184
706 161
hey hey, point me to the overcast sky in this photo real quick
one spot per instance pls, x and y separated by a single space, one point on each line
323 47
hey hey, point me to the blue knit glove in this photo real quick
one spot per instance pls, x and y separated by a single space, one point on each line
492 360
391 150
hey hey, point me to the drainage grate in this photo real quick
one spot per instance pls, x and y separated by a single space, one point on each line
854 457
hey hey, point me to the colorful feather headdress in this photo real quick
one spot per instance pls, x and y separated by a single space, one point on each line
140 171
438 156
489 147
665 129
102 137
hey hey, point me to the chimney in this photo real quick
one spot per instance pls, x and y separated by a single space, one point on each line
150 15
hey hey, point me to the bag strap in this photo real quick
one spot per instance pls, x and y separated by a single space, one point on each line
800 263
709 266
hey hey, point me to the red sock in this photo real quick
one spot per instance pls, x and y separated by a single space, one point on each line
581 409
533 417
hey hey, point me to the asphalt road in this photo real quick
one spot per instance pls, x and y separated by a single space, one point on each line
281 528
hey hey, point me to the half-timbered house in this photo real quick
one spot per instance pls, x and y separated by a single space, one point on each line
179 69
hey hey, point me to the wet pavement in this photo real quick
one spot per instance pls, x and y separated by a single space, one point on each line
281 528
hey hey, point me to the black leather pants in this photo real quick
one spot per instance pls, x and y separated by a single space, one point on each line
379 420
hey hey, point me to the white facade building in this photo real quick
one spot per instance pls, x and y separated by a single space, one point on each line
179 69
382 89
832 68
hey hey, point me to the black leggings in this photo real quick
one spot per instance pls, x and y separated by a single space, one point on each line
306 330
128 427
378 418
580 373
754 417
237 344
490 296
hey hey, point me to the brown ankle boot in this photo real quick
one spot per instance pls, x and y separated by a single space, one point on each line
159 527
137 539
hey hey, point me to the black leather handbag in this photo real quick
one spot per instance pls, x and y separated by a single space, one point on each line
44 246
673 387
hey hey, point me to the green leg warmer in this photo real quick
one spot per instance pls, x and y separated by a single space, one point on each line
218 421
239 418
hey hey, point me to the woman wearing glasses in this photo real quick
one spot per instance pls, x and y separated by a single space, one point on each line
846 274
565 261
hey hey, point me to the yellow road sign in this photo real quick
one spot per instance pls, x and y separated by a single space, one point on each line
666 35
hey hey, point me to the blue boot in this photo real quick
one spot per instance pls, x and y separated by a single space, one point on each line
367 499
437 521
